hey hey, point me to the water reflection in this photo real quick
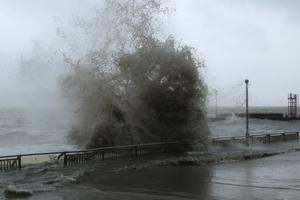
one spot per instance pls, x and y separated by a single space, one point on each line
275 177
186 182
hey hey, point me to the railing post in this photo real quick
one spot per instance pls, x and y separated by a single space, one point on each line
269 137
103 154
136 151
65 159
165 145
283 136
19 161
187 146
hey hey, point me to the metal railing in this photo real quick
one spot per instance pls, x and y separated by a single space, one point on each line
83 156
272 137
10 162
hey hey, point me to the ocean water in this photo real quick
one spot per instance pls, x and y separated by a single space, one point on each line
34 130
235 126
221 173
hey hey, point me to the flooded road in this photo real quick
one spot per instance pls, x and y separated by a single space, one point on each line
274 177
269 171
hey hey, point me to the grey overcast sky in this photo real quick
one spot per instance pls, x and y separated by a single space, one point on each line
257 40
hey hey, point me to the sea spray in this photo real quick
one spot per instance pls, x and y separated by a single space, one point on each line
13 192
138 87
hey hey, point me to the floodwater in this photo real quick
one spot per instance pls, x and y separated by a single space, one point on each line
275 177
261 171
163 177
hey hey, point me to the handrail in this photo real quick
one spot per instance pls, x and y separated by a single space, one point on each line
229 139
32 154
89 153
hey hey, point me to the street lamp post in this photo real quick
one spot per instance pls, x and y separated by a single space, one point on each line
216 103
247 115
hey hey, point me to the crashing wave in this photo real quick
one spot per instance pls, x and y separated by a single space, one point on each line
137 87
13 192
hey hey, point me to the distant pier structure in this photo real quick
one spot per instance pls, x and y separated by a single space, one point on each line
292 113
292 105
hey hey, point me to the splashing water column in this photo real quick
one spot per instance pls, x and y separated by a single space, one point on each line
247 116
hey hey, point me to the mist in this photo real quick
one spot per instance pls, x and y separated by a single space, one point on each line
127 79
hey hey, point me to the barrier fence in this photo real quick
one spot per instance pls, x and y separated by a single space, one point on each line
272 137
83 156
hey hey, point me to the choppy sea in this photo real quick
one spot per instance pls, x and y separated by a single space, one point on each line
261 171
